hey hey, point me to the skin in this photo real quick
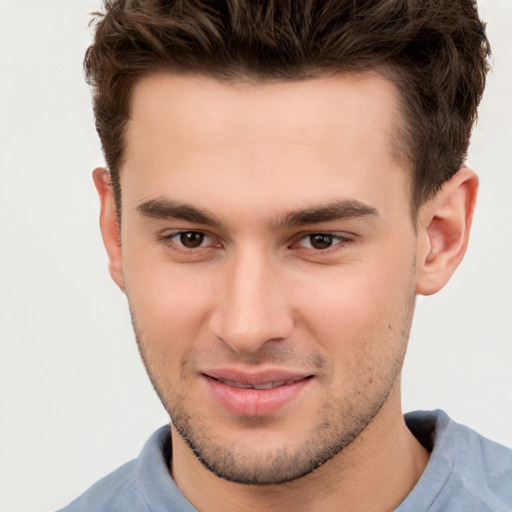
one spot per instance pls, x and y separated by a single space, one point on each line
261 291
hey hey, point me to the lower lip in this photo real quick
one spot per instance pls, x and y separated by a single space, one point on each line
255 402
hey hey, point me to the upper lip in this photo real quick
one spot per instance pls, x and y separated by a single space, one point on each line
255 377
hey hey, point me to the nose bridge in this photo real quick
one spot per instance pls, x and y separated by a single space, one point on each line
253 308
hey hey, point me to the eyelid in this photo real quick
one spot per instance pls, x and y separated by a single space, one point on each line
340 239
168 238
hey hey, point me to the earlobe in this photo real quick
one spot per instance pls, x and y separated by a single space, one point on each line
109 225
444 224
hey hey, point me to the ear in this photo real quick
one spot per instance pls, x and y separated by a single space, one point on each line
109 225
444 223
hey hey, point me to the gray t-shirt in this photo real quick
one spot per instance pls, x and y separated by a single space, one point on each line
466 473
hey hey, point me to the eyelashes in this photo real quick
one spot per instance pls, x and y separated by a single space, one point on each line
190 244
197 243
322 241
190 239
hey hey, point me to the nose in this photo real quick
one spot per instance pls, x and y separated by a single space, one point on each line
252 308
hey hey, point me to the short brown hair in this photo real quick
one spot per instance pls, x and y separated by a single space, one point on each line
435 51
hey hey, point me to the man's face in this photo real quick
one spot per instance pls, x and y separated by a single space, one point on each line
269 261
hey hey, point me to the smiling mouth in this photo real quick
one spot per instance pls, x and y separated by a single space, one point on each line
257 394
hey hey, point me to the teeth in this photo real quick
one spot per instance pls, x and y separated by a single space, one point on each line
234 384
270 385
266 385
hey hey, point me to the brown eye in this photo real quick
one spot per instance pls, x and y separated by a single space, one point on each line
191 239
321 240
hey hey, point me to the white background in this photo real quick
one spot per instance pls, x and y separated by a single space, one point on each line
75 400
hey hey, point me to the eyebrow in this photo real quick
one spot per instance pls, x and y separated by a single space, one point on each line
336 210
168 209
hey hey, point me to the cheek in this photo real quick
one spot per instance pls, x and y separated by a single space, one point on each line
170 302
345 298
169 318
358 309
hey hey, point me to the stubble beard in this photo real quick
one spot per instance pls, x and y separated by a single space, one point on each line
284 465
342 423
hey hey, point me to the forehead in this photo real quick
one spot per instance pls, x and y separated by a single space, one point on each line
296 109
203 134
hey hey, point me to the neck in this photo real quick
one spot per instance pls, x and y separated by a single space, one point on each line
374 473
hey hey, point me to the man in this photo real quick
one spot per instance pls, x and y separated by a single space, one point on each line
284 178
